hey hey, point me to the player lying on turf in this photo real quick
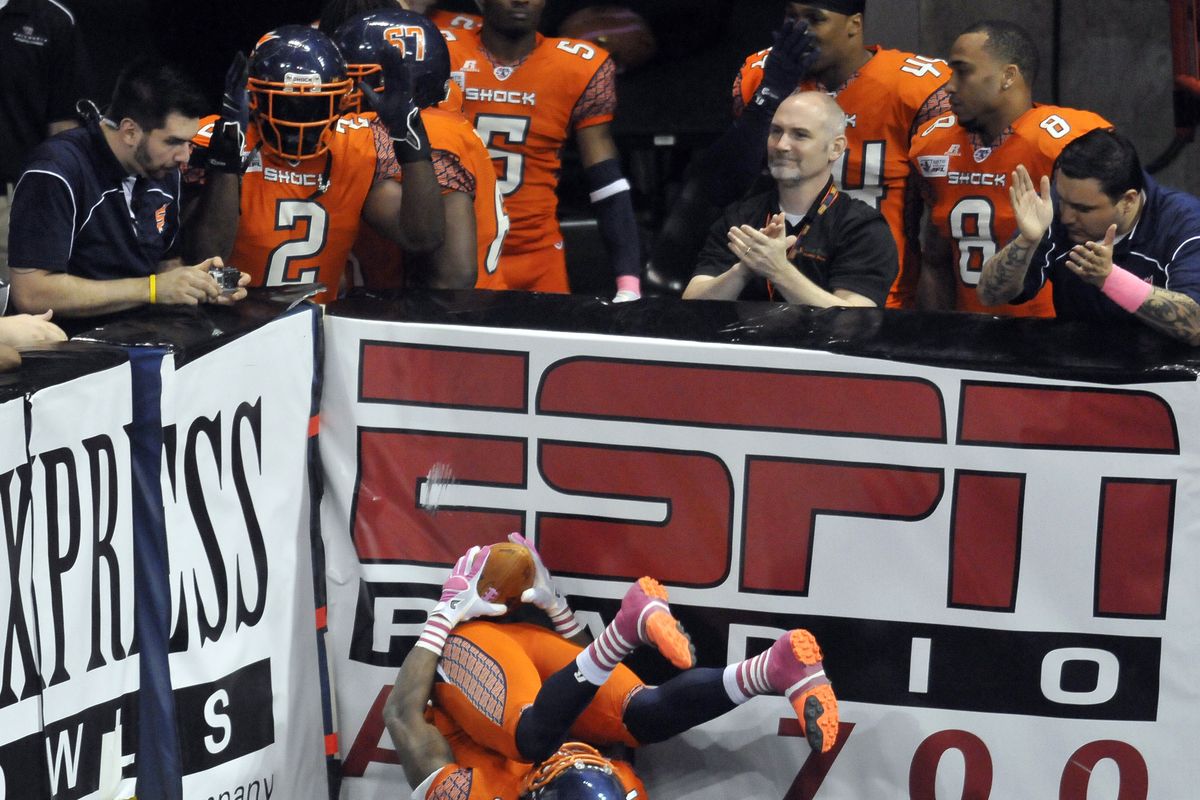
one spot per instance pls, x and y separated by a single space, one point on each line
516 708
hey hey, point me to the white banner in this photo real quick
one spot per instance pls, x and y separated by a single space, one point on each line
82 555
243 638
1000 568
22 754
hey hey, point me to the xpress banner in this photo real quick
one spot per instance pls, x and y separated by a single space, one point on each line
243 636
998 566
81 549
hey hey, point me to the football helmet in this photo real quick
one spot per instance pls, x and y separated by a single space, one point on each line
576 772
362 38
298 85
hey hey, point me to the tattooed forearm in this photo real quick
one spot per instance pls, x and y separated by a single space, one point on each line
1172 313
1004 273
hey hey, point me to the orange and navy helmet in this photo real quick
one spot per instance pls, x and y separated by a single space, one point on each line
576 772
363 37
298 86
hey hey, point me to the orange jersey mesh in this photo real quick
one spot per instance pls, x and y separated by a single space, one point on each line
525 113
491 673
885 102
965 184
461 164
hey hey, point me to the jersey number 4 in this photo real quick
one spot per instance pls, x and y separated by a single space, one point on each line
867 182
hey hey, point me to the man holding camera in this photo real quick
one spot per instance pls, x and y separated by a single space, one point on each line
95 215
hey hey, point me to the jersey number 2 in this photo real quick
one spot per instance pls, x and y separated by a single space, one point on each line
291 215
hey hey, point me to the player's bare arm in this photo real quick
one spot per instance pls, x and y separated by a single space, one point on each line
410 212
421 747
213 219
1003 274
936 284
451 266
595 144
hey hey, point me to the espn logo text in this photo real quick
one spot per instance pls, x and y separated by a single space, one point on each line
784 495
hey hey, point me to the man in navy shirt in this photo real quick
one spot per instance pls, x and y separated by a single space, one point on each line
1113 241
95 214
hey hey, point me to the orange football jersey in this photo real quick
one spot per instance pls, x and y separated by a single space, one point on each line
479 717
299 219
524 114
461 164
965 185
453 19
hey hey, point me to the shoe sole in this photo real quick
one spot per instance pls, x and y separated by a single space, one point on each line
817 708
664 631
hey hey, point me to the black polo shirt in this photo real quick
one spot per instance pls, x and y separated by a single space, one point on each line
42 74
76 210
847 246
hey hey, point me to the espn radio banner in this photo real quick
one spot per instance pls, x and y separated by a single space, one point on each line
1000 568
243 658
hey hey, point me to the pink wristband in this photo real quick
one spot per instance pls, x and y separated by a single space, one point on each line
1126 289
629 283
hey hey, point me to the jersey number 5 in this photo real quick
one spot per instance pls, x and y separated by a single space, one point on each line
498 130
293 215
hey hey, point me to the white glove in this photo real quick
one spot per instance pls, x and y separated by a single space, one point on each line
460 601
545 595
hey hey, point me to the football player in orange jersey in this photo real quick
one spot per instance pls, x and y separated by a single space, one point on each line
525 94
475 218
886 95
312 174
510 694
965 158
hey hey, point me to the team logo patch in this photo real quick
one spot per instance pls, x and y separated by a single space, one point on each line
934 166
470 65
503 73
981 154
160 217
27 35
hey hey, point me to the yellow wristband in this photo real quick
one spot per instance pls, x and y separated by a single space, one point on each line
153 288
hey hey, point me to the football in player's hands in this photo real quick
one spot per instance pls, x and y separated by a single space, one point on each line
509 571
